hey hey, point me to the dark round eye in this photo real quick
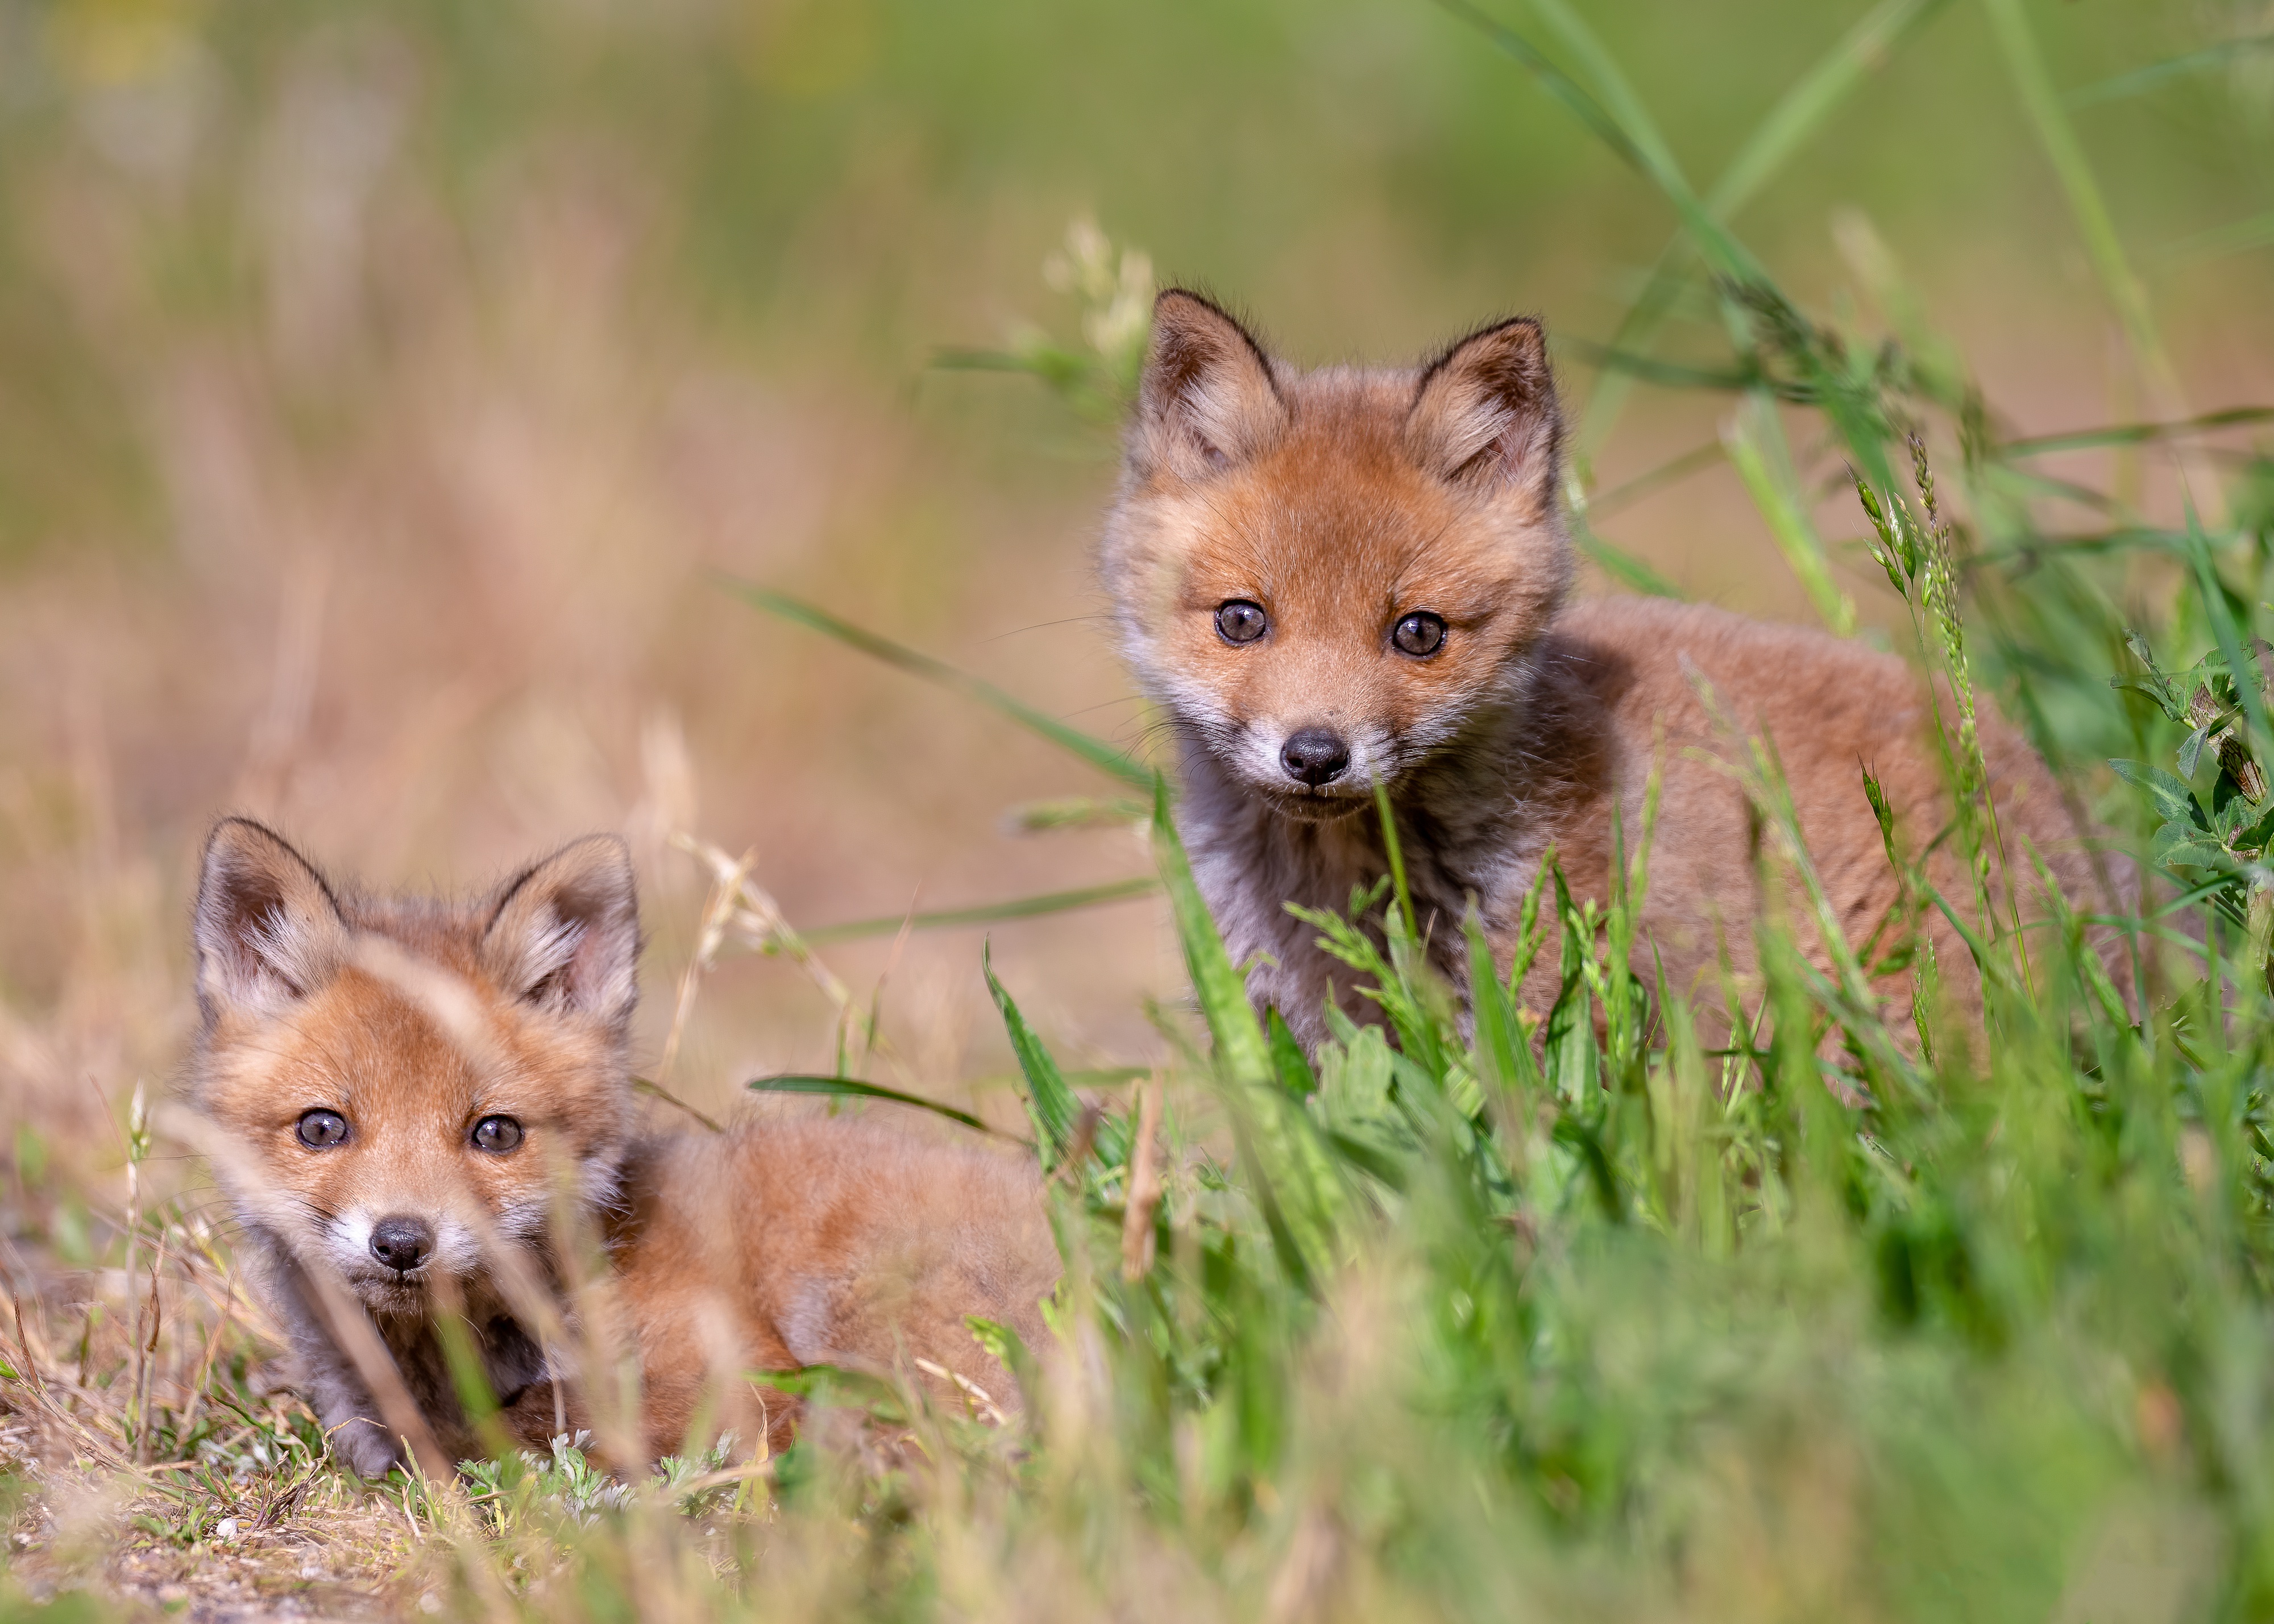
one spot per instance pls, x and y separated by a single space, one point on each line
1241 621
1421 635
322 1130
497 1135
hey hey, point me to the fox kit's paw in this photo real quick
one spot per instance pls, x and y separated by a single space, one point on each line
366 1447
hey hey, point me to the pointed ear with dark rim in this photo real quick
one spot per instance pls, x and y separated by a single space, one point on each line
565 935
267 929
1207 399
1485 414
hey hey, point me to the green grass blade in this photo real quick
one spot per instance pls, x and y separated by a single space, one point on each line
1797 115
2234 237
854 1089
1216 982
1496 1036
2142 80
990 913
2135 433
1813 98
1620 565
2058 135
1722 253
1049 1103
1552 79
2231 638
1293 1183
1756 443
1092 749
1672 471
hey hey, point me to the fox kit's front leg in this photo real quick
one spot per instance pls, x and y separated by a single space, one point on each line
328 1379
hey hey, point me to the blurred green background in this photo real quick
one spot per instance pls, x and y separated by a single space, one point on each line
383 387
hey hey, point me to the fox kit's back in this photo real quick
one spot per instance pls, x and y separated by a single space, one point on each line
1338 580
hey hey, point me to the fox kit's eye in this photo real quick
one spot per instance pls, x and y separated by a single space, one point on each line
497 1134
1419 635
322 1130
1241 621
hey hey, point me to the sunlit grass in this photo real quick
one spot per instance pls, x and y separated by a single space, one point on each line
1484 1311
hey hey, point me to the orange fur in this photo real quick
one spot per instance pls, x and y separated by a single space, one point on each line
410 1028
1391 549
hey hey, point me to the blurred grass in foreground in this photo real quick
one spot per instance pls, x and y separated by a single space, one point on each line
1552 1313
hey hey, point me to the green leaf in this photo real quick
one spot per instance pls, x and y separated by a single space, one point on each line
1095 751
2216 604
2173 797
2176 844
1049 1103
1371 1160
1287 1058
854 1089
2191 751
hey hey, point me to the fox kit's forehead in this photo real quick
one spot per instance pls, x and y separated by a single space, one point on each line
410 1017
1340 495
1336 522
421 1042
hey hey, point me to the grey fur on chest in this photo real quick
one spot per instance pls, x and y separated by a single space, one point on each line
1466 835
513 1362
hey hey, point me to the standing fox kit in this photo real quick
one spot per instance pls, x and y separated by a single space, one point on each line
404 1096
1340 579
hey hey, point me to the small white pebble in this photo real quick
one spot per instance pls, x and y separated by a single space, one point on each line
431 1602
309 1570
225 1530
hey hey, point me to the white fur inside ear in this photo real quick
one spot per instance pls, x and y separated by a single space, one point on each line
1487 414
1473 424
267 933
550 949
566 934
281 963
1211 405
1207 400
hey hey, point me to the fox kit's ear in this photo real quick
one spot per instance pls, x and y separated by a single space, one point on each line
1207 399
1485 413
267 931
565 936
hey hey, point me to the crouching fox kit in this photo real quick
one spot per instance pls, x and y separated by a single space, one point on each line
1335 580
410 1102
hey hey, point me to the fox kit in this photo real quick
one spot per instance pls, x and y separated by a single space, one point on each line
403 1096
1335 580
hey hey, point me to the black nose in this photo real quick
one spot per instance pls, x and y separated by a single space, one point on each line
401 1243
1314 756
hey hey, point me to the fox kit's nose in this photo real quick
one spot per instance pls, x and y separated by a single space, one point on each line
1314 756
401 1243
